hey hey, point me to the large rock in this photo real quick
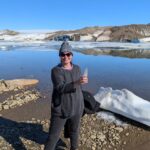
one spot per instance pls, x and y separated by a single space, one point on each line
8 85
21 82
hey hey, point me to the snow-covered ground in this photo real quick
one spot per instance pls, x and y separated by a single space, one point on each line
147 39
24 37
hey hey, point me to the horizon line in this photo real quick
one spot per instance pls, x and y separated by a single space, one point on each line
53 30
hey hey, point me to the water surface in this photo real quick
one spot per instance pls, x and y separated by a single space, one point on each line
106 71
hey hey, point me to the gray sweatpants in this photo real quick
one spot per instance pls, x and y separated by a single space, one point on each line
56 126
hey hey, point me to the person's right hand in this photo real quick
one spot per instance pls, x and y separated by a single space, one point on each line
82 80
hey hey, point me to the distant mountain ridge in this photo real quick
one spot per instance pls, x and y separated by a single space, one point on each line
8 32
130 32
126 33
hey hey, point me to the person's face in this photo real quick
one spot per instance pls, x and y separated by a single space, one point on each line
66 57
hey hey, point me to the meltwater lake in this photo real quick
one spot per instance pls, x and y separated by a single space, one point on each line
103 70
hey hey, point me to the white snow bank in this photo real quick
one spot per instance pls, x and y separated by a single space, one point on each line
125 103
75 45
25 37
147 39
110 45
111 118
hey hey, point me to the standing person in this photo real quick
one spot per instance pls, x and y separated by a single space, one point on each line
67 98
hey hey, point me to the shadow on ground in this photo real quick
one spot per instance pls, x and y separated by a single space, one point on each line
12 131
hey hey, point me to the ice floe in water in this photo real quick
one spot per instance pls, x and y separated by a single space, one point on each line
76 45
125 103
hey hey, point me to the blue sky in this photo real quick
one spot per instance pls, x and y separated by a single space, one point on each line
71 14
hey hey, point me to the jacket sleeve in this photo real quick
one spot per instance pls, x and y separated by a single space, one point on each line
59 82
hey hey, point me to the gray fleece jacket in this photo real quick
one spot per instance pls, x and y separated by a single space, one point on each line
67 97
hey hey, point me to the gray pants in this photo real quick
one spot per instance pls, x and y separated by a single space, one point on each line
56 126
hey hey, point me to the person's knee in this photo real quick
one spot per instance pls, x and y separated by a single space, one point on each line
53 136
75 128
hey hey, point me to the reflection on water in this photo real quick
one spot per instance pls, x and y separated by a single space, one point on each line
131 53
107 71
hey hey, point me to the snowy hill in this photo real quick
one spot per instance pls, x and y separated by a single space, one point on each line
127 33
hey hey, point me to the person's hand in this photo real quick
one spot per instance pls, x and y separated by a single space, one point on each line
84 79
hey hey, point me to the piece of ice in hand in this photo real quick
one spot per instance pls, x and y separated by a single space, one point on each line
85 72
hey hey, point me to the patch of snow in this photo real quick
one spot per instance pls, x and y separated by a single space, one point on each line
125 103
145 39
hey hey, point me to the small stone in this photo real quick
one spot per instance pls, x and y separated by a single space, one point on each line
93 148
119 129
124 142
93 136
42 147
127 134
5 107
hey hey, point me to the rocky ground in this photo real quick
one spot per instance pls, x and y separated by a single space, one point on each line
95 134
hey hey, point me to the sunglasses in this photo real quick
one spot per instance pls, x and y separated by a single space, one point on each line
63 54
